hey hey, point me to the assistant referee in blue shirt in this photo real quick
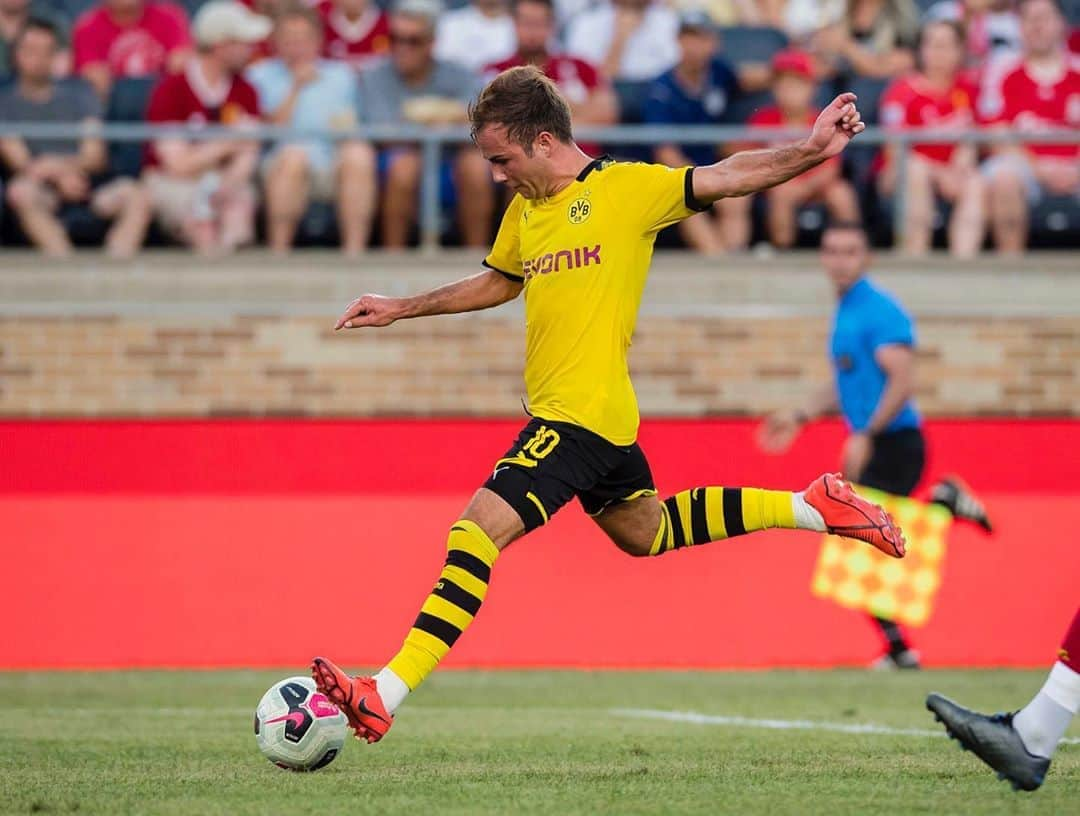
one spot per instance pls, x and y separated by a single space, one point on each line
872 350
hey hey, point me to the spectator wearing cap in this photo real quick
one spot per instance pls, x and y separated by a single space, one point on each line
355 31
938 97
591 99
697 91
14 14
49 175
298 89
632 40
202 189
412 86
1038 91
794 90
874 38
476 35
130 38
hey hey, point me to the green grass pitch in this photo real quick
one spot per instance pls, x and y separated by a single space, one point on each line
517 743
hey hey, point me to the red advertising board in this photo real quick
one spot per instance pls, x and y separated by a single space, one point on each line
221 543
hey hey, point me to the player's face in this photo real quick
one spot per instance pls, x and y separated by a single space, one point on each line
34 56
296 40
512 166
534 26
793 93
941 51
1041 27
845 256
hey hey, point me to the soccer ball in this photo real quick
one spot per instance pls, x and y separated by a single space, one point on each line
297 728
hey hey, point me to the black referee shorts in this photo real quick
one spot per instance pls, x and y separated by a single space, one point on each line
897 463
551 462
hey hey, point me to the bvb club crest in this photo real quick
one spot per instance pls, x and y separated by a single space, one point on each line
579 211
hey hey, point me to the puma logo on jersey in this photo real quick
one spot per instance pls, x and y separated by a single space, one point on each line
563 259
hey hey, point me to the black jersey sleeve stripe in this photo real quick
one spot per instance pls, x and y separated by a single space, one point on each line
688 193
504 273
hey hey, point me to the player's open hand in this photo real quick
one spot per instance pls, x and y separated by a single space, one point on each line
836 126
368 310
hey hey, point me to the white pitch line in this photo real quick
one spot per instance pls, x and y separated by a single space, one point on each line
783 725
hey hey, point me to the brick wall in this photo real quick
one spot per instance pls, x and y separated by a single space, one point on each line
90 365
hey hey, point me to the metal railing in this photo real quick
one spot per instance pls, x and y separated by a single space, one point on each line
433 140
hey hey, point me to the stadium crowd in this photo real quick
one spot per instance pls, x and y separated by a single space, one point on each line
947 64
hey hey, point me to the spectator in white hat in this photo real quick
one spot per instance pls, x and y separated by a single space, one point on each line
202 190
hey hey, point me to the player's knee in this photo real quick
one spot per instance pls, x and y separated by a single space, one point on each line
637 548
634 546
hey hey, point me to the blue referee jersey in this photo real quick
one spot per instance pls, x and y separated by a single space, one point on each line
866 319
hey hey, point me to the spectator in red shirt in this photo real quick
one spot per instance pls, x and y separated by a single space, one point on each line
202 190
127 38
355 31
936 97
1039 92
793 90
592 100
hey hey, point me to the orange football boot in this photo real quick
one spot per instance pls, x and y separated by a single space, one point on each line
847 514
357 698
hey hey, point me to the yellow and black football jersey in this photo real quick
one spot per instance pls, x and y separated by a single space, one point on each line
584 255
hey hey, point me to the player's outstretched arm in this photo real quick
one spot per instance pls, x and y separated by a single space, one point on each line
480 291
753 170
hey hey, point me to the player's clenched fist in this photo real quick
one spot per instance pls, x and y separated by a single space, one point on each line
368 310
836 125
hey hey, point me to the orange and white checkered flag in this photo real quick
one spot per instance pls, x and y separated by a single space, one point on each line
859 577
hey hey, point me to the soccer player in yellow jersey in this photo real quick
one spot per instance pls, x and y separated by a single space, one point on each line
577 240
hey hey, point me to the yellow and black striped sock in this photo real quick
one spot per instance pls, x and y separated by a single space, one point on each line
714 513
451 606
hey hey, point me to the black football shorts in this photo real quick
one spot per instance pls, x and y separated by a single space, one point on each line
551 462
